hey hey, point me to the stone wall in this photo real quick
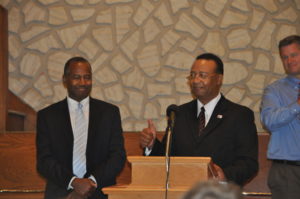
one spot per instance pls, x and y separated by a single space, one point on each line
141 50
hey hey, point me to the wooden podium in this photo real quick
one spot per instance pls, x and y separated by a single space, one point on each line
148 177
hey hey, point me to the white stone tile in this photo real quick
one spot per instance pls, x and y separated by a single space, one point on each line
178 5
135 103
75 2
105 75
186 24
143 12
269 5
241 5
213 43
104 36
88 47
131 44
235 94
238 38
256 84
123 14
43 85
154 90
233 18
81 14
263 39
134 79
204 18
57 16
15 19
151 30
32 12
257 18
104 16
189 44
150 111
114 93
246 56
234 72
14 46
120 64
163 15
44 44
181 84
289 14
168 41
148 60
215 7
30 64
262 62
33 31
180 60
70 35
55 65
165 75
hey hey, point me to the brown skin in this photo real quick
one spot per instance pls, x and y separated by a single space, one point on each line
290 57
204 90
78 82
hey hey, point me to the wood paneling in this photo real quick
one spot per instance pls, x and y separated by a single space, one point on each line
18 166
3 67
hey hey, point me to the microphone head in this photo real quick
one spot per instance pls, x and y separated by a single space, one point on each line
171 108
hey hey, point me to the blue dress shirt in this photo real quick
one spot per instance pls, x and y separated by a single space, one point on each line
280 114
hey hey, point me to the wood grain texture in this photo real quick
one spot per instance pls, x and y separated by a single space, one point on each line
18 165
3 67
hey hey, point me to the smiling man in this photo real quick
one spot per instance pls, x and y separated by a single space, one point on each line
80 146
280 114
210 125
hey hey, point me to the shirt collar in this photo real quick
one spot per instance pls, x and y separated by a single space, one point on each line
210 106
73 104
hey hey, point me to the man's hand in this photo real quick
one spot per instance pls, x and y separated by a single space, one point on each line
148 135
218 172
84 187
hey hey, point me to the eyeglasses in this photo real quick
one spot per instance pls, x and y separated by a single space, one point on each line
202 75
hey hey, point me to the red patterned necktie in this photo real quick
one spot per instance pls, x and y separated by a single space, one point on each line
201 120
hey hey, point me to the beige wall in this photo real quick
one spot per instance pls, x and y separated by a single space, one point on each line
141 50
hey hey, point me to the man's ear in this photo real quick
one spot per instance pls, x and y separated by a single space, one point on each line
64 80
220 79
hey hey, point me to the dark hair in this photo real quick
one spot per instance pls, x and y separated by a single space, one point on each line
71 60
216 59
289 40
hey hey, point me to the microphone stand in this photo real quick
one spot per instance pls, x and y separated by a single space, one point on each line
168 148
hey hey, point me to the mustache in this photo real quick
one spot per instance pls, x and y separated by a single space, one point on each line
83 86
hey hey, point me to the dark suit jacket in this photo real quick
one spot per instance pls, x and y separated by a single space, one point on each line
105 153
230 138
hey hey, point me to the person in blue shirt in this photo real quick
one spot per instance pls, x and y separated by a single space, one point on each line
280 114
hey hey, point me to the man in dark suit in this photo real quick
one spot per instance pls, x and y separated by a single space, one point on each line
80 146
211 125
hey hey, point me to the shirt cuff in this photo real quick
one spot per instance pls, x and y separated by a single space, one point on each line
147 151
70 186
93 179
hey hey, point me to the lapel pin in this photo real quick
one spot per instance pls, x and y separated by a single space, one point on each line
219 116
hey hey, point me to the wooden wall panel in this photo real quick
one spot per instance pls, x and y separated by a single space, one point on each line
3 67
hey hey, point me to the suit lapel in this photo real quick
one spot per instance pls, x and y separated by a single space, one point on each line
192 120
216 117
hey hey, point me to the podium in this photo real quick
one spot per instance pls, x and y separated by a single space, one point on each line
148 177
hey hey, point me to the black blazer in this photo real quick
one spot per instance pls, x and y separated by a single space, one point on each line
105 153
230 138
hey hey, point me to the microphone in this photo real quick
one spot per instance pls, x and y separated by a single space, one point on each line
171 113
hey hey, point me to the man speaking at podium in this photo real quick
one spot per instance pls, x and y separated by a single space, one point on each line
211 125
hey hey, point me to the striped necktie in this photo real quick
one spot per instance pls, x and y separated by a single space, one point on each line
201 120
80 142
